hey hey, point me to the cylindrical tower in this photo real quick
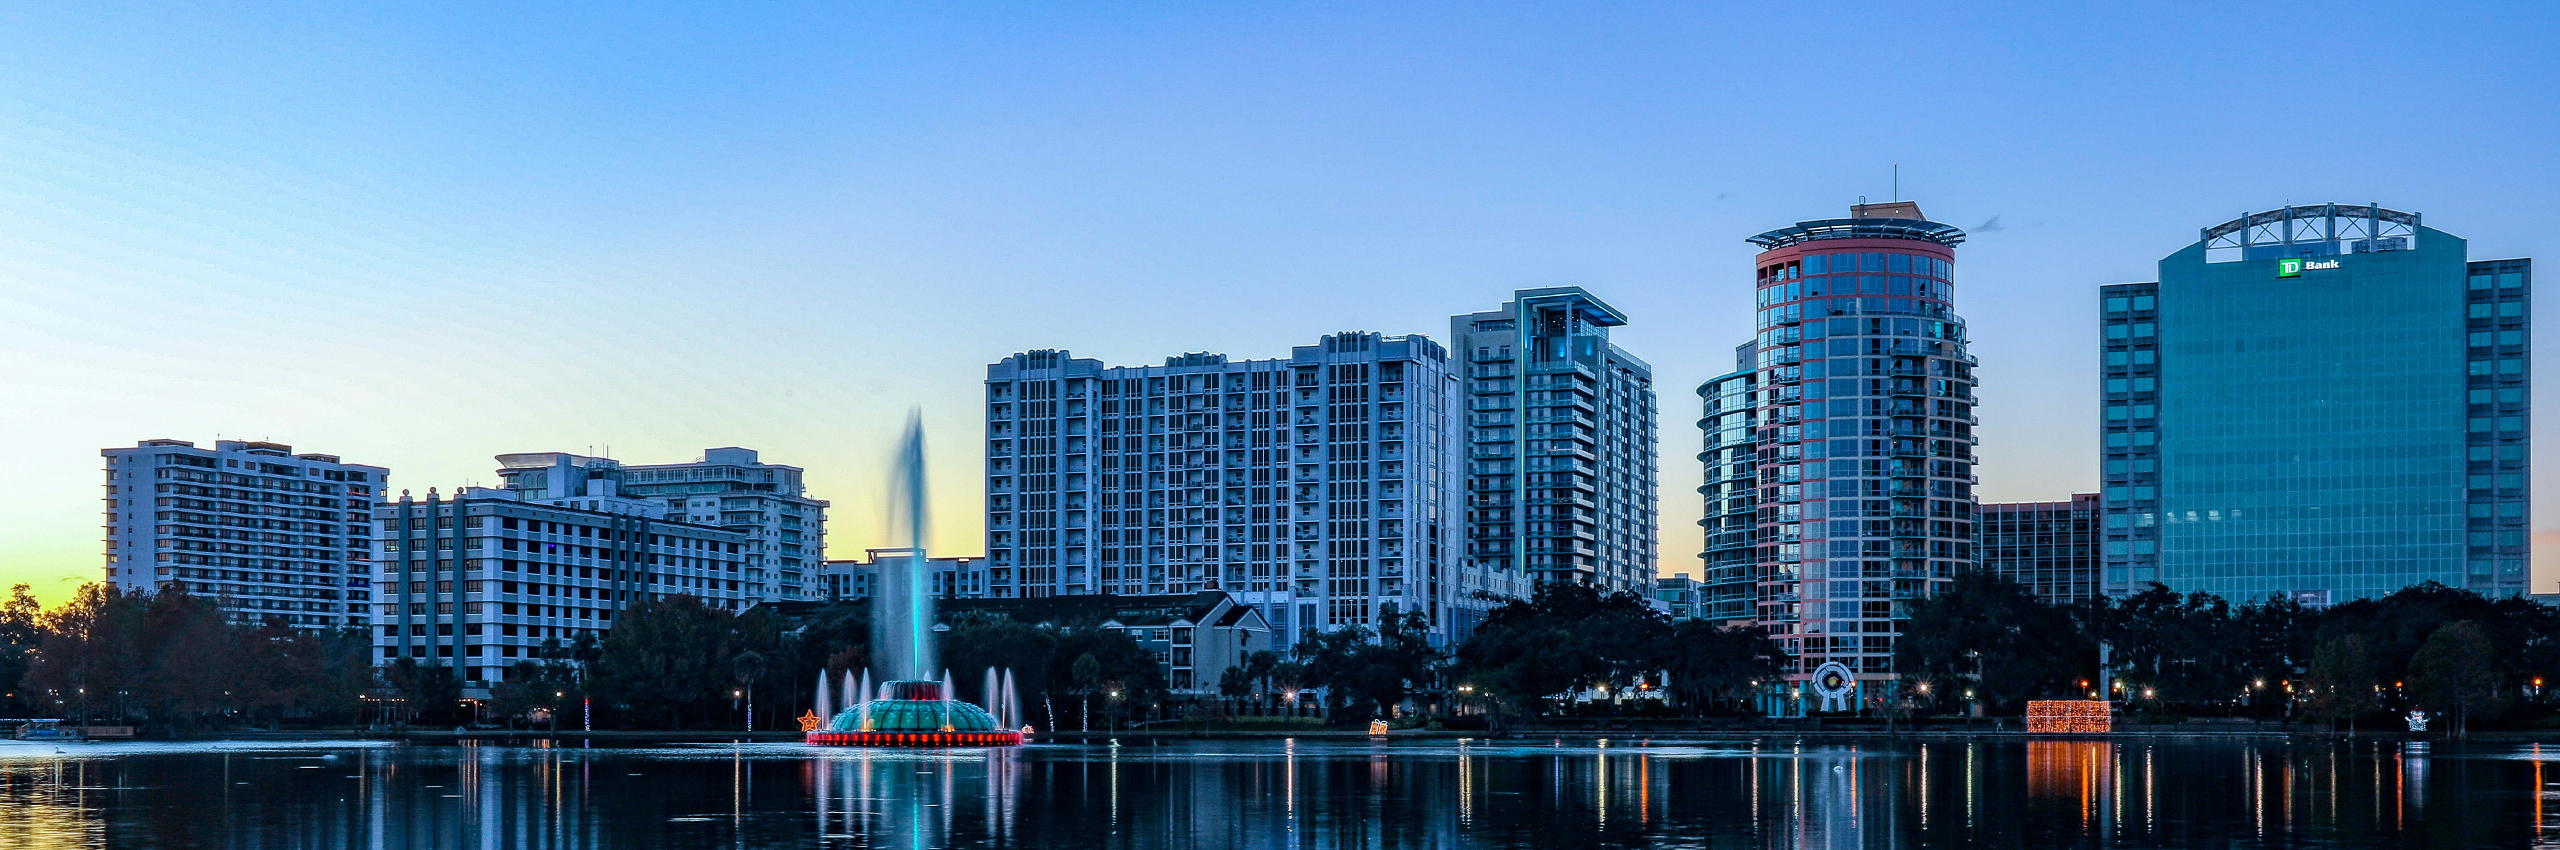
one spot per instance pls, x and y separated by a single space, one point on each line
1859 448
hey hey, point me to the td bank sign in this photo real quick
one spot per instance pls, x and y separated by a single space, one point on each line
2295 266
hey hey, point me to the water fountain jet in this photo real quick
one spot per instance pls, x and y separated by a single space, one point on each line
911 710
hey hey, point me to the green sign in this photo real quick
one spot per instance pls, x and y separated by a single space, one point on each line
2295 266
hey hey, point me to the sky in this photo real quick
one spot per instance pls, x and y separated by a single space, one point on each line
422 235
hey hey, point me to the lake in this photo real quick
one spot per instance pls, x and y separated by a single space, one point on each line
1306 793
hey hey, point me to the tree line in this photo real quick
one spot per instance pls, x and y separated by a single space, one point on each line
1567 648
172 661
2453 652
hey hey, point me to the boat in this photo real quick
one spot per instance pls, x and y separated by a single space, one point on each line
45 730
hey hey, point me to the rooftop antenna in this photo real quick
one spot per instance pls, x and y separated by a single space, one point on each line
1897 182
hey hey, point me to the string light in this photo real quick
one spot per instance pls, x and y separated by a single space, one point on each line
2068 715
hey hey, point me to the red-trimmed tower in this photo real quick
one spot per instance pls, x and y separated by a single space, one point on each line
1840 452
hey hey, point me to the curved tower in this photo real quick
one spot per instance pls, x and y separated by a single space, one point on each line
1839 453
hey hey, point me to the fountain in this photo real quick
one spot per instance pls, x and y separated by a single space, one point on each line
911 709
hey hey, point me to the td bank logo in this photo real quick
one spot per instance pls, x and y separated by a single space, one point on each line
2295 266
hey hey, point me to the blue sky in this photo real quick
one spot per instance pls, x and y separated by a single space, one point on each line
422 236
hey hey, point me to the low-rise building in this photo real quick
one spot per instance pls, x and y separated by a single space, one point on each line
1676 595
953 578
1195 636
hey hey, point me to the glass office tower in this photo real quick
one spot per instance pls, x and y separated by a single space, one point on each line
1839 456
2327 402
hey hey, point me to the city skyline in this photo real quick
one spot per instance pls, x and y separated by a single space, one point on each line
530 235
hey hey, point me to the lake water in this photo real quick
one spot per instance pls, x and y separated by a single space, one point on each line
1275 794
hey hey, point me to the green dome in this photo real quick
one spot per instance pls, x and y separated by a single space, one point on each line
915 715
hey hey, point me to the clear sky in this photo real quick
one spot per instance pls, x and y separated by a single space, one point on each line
423 236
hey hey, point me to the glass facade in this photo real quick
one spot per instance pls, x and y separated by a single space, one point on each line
2049 547
2319 417
1840 457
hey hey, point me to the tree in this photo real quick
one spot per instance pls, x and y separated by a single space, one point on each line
21 632
1235 684
2341 680
1565 638
1097 662
1989 633
1370 672
1708 663
429 690
2451 673
2183 648
90 645
667 656
537 684
977 642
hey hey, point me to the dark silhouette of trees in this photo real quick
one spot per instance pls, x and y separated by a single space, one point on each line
1989 634
21 632
2341 683
1709 665
2451 673
677 658
1566 638
1367 674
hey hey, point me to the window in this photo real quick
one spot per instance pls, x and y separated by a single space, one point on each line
2116 305
2142 302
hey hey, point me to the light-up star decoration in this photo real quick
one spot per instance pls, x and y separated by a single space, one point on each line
809 721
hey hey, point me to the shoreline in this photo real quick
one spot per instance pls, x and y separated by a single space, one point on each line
1515 735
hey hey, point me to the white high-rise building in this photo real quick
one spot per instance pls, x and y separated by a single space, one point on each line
1561 443
1322 489
269 533
480 579
786 531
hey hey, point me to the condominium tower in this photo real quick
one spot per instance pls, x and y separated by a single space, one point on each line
270 534
482 578
2328 402
1321 489
1560 440
1839 454
785 529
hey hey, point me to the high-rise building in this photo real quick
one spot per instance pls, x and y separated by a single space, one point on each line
2327 402
269 533
1840 455
1320 489
2050 547
1560 440
482 579
786 530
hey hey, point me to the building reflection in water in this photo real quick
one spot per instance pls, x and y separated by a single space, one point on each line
1287 795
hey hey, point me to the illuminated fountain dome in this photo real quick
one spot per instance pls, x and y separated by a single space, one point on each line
914 714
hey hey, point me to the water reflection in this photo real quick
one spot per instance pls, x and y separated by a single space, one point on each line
1286 795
